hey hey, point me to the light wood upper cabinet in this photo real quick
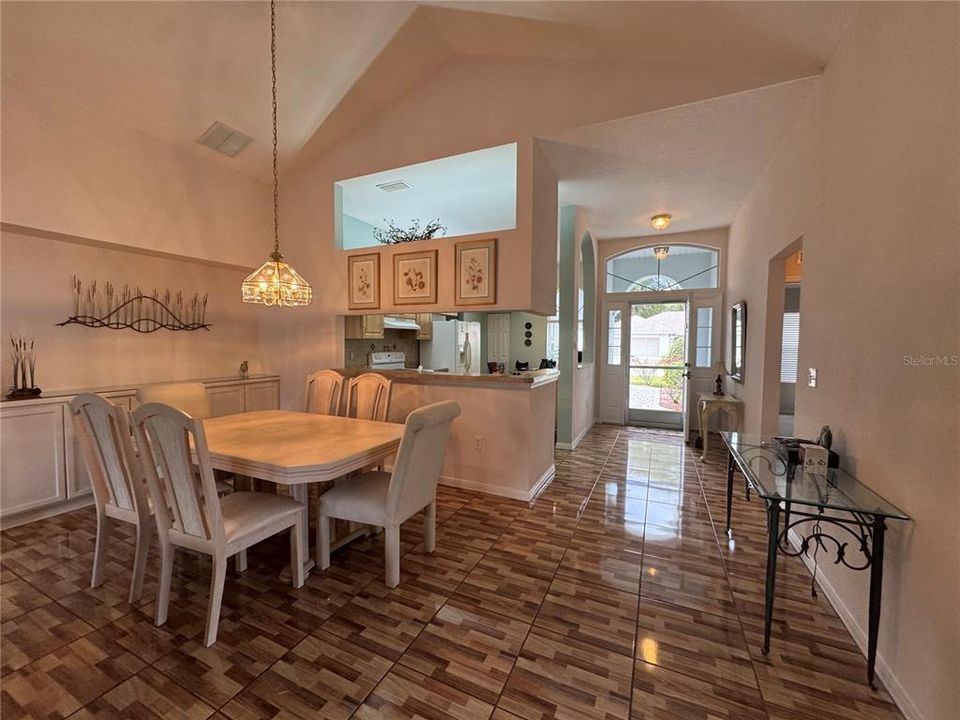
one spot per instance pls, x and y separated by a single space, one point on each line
32 459
425 321
363 327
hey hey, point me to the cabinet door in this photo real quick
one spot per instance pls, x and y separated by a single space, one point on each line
425 321
373 326
262 396
32 459
226 400
498 337
78 479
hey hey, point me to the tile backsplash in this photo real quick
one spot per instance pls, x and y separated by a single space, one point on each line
355 352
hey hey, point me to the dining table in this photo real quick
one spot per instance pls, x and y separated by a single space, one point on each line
297 449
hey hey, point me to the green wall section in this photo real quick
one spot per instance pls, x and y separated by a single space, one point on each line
568 323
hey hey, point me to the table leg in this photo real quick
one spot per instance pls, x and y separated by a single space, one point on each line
301 493
730 465
773 539
876 586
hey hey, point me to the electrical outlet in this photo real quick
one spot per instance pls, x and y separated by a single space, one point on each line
811 377
478 442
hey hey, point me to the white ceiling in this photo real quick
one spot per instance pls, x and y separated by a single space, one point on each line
697 162
169 69
469 193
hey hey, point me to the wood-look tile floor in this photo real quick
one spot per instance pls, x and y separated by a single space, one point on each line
613 595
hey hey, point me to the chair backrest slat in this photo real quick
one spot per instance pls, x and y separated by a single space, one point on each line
368 397
324 389
189 397
185 496
420 458
104 434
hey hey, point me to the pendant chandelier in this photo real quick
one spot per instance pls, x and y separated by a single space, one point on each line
275 283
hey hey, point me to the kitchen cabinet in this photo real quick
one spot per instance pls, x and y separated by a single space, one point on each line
43 470
363 327
425 321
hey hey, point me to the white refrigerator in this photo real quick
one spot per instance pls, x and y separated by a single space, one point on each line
455 347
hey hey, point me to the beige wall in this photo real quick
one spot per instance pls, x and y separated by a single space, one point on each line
515 426
869 179
127 208
35 294
67 169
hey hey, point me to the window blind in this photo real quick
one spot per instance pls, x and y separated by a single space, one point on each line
790 347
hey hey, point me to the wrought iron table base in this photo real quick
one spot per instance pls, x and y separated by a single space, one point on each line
866 529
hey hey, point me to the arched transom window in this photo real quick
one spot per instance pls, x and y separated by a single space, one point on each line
679 267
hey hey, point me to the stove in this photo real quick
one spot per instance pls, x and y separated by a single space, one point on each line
387 360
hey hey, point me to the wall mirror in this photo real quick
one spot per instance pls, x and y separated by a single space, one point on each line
738 340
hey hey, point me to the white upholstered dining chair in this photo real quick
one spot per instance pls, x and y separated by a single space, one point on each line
324 389
190 514
119 492
368 397
388 499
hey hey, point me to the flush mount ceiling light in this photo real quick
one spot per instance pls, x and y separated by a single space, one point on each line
275 283
660 252
660 222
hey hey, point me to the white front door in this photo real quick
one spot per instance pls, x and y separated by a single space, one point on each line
656 375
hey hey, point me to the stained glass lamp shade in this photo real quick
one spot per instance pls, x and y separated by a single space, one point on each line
276 283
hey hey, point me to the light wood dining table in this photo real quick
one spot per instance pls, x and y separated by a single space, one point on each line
296 449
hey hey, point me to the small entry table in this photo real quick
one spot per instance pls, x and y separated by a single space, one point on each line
707 405
835 501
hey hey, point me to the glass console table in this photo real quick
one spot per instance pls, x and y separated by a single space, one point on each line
811 504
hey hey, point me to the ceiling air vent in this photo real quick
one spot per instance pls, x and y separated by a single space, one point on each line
224 139
394 186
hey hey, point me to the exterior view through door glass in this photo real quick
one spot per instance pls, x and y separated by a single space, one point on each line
658 355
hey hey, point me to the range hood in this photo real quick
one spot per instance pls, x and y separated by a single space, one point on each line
391 322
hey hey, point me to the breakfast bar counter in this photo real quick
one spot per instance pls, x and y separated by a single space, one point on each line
503 441
525 380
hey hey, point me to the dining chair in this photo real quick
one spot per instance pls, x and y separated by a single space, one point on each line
324 389
191 398
388 499
368 397
119 492
190 514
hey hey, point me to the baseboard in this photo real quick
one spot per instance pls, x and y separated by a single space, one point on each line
500 490
889 680
576 440
30 516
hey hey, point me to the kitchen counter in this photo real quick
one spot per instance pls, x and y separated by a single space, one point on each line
502 442
527 380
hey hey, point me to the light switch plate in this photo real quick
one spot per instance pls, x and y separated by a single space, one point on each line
811 377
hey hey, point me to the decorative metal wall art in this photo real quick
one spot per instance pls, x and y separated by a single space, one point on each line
115 308
24 370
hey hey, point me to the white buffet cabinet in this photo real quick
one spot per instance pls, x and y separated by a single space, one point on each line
41 470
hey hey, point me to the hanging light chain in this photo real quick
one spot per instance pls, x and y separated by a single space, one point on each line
276 177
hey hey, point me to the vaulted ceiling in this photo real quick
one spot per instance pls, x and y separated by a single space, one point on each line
169 69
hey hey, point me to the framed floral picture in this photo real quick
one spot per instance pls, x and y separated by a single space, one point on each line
415 278
363 276
476 272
